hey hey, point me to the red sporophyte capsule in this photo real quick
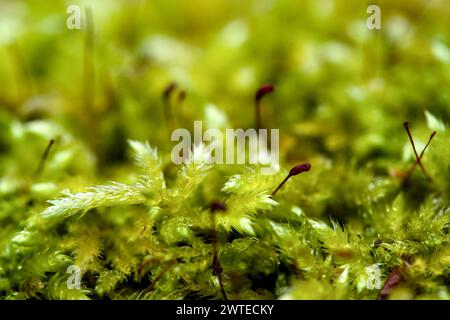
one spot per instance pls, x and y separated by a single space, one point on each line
169 90
217 206
182 95
263 90
180 98
293 172
377 243
299 169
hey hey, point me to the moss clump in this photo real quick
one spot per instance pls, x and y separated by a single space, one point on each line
102 214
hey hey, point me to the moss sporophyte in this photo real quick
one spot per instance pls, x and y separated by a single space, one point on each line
293 172
262 91
232 148
418 158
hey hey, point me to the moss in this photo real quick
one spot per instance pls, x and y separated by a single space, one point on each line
97 217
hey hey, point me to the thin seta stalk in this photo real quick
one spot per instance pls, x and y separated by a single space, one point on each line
43 159
262 91
418 158
181 98
88 86
167 98
166 269
217 206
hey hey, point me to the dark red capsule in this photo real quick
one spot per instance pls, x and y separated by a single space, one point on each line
168 90
294 171
299 169
394 279
263 90
217 206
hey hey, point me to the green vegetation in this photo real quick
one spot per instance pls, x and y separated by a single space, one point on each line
101 200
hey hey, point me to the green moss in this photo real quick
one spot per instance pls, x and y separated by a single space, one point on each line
116 214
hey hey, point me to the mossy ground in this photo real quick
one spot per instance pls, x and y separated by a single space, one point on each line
350 228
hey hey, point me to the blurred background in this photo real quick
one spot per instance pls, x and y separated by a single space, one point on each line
341 90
